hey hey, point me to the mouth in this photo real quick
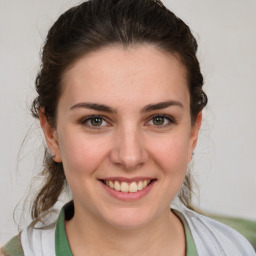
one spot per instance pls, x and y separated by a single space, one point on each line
128 187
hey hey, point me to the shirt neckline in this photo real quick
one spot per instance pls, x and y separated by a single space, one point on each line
62 246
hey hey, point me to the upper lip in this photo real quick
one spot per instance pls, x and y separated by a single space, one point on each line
128 180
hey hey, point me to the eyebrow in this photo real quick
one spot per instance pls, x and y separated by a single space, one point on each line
161 105
95 106
147 108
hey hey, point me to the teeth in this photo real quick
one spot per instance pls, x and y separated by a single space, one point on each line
140 185
126 187
111 184
117 186
133 187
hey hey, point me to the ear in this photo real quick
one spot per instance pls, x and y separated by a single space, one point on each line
194 135
50 135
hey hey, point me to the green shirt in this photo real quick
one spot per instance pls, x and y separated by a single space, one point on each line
62 246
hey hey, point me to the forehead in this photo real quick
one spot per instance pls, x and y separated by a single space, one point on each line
136 74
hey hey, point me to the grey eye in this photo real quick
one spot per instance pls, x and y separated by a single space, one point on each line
158 120
161 120
96 121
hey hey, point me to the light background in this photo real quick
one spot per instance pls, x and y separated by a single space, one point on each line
224 162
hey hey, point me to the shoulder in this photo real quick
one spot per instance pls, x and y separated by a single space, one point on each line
12 248
36 239
39 237
211 235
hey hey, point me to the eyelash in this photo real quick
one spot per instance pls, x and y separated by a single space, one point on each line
90 118
169 119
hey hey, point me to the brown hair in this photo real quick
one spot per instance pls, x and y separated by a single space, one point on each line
99 23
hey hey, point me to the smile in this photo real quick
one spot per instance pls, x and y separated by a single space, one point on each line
126 187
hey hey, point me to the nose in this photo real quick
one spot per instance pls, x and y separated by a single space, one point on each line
128 149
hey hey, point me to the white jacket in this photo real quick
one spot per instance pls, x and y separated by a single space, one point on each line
211 237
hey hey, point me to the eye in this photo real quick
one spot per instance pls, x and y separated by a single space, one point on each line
161 120
94 122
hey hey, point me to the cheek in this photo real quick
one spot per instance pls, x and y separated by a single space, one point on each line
81 155
171 154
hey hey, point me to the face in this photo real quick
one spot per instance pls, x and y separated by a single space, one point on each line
124 134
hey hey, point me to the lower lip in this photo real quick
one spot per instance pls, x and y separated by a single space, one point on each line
128 196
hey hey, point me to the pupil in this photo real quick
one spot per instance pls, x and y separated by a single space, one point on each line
96 121
158 120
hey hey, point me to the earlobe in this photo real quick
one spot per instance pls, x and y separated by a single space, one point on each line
50 135
194 135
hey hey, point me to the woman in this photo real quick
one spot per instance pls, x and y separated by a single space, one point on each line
120 103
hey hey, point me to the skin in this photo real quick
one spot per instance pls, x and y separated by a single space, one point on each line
127 144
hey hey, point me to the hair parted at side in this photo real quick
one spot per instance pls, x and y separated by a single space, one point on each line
90 26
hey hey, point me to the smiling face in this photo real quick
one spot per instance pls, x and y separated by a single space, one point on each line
124 134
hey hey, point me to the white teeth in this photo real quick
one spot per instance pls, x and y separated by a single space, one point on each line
111 184
140 185
133 187
126 187
117 186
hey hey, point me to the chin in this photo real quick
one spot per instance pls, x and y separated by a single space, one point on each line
128 218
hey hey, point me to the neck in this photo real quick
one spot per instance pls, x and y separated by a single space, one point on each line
162 236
